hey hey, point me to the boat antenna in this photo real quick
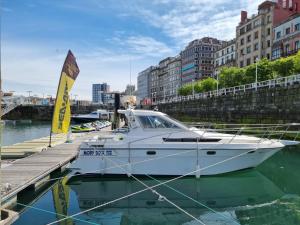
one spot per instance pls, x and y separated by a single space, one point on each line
130 91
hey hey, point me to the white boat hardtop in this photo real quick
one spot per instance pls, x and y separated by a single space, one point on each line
157 144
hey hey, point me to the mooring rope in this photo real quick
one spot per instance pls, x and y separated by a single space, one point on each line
190 173
125 164
148 188
194 200
157 193
181 193
53 213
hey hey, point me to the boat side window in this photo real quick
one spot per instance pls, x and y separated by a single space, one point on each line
94 113
156 122
145 122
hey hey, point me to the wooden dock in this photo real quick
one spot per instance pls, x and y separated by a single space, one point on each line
34 170
24 149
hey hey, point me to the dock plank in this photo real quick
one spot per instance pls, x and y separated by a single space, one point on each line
25 172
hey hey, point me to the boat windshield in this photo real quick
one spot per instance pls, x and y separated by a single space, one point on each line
156 122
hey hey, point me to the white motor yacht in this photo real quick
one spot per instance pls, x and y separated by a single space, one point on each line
156 144
100 114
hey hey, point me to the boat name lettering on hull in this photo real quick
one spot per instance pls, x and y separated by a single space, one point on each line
98 153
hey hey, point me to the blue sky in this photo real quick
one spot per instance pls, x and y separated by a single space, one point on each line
105 36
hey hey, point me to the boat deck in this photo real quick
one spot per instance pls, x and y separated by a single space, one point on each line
34 170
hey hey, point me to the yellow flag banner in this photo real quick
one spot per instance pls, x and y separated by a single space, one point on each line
62 110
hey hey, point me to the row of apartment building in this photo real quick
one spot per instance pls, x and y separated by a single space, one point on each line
272 33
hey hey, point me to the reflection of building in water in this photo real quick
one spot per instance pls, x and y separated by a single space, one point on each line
223 194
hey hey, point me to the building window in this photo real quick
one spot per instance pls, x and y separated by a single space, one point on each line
268 19
256 35
278 34
297 45
287 31
242 41
241 63
297 27
276 53
256 23
242 30
268 56
242 52
287 48
248 61
269 31
269 43
255 46
248 27
248 49
248 38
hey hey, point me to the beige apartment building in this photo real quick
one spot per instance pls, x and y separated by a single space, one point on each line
254 35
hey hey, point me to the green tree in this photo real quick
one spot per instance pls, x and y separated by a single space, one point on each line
283 67
264 71
198 86
296 60
231 76
185 90
208 84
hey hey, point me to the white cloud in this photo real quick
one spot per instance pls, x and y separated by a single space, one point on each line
38 66
190 19
34 67
148 46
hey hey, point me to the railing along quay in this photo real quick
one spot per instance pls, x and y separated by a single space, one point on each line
278 82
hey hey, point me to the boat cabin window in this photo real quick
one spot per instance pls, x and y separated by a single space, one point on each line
155 122
94 113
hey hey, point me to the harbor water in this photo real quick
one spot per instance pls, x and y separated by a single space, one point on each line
268 194
23 130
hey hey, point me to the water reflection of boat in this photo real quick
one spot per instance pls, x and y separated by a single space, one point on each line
221 193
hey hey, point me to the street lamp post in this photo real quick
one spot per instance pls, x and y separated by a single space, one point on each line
217 84
256 70
193 88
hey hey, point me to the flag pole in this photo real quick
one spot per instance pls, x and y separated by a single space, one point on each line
59 83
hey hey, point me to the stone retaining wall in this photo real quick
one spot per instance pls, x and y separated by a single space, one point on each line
274 105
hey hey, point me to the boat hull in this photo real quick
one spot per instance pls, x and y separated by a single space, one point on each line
84 119
168 162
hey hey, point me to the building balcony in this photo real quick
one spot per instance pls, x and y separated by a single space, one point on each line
289 53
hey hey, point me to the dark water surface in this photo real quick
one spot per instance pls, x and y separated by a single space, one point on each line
20 131
267 195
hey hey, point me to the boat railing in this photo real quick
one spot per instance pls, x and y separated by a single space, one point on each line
289 131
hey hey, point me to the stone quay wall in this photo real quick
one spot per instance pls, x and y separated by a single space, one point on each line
42 113
266 105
